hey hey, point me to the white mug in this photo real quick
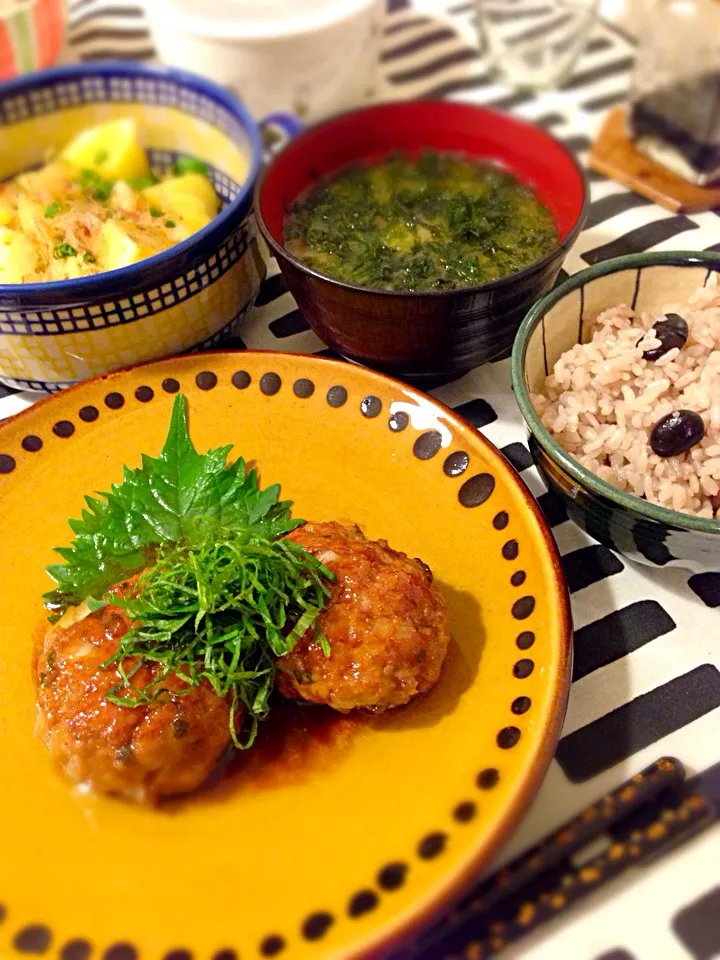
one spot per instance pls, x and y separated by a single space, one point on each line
310 58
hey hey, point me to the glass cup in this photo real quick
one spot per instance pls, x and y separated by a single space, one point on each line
533 44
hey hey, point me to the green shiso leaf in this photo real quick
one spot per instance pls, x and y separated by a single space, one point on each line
172 498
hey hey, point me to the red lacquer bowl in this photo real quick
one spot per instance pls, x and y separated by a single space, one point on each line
425 338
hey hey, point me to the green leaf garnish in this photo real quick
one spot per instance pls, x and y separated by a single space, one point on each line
64 250
53 209
95 605
89 257
155 212
167 500
189 165
222 595
169 223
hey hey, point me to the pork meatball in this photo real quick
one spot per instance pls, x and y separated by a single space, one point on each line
140 753
387 625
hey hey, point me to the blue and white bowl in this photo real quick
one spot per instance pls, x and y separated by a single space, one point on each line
190 296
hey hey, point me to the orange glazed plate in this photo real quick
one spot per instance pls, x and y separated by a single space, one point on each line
334 837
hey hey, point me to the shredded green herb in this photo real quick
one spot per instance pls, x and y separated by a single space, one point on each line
189 165
155 212
222 595
53 209
169 223
64 250
89 257
222 609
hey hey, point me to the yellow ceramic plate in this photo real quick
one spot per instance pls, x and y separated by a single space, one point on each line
336 835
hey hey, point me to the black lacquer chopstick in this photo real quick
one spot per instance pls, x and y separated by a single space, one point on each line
642 819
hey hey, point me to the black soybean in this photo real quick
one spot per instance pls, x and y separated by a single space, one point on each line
676 433
671 332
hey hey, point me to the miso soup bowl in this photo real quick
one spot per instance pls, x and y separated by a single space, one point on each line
424 338
628 524
190 296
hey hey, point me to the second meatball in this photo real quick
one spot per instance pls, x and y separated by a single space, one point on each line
387 625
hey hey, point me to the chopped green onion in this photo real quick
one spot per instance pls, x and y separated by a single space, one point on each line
63 250
170 223
189 165
155 212
89 257
140 183
95 186
53 209
324 642
218 609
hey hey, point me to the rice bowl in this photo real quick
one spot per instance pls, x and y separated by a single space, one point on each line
604 397
565 322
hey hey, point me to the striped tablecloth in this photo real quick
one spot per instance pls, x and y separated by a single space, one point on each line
647 642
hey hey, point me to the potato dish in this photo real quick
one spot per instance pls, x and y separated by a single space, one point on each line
97 206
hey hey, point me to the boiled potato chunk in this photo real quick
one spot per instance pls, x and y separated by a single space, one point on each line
191 216
117 247
6 212
170 195
53 178
111 149
69 268
17 256
30 217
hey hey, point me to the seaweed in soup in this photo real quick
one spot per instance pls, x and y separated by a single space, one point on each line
436 221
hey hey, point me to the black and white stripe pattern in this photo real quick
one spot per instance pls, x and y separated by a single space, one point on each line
646 678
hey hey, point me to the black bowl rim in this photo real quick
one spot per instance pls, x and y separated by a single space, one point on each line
282 254
583 476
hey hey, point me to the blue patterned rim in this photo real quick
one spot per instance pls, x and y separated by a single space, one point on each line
154 270
581 475
215 340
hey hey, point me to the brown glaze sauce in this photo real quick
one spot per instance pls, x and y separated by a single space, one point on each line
298 742
293 745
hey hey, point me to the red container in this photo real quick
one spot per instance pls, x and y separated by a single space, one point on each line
31 36
425 338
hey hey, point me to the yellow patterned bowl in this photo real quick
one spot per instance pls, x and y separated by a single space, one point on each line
54 334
